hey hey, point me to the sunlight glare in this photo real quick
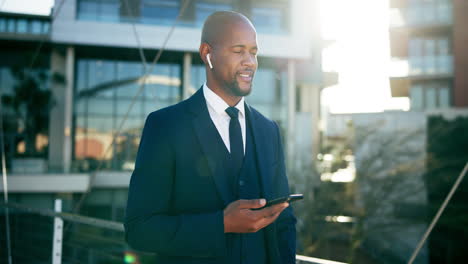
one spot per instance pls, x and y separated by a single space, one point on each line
360 54
37 7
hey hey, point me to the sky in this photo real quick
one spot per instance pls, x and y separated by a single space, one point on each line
360 52
39 7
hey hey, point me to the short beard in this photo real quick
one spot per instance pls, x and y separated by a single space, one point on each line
233 88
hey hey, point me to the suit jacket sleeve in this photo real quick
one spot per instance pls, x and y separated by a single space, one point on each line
149 223
286 222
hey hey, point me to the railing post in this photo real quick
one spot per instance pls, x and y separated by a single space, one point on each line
58 235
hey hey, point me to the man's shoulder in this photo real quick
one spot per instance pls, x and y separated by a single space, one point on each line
262 121
168 114
181 109
259 117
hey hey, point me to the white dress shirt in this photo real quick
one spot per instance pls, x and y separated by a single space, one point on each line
217 109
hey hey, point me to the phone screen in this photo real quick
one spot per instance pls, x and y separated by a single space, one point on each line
290 198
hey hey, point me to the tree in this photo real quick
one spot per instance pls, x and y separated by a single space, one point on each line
387 196
390 192
447 150
31 102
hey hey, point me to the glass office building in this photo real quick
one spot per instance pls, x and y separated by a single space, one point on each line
93 56
113 97
427 36
91 62
106 93
93 90
267 16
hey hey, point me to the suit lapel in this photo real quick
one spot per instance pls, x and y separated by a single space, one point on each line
261 141
206 133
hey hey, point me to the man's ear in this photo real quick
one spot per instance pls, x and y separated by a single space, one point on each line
204 50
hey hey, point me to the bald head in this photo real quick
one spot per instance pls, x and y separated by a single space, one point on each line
229 50
218 24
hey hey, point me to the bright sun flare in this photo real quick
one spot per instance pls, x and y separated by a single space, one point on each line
360 54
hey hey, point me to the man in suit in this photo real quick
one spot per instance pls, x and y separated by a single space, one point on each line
205 163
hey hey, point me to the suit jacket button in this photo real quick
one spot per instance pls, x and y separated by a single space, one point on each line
241 183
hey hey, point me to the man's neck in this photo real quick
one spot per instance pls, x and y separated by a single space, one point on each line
231 100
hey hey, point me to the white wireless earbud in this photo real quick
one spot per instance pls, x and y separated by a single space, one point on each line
209 60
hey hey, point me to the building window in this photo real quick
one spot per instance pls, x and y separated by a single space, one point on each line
430 55
105 90
270 16
269 93
444 12
11 27
428 12
444 97
25 124
21 26
109 11
430 95
204 8
88 9
36 27
198 77
424 12
444 63
99 10
270 90
3 24
416 97
161 12
45 27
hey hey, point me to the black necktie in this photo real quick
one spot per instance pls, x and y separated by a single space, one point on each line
235 139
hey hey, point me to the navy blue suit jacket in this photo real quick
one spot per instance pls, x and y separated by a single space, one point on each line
179 189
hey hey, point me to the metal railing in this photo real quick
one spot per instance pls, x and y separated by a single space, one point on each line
47 236
58 237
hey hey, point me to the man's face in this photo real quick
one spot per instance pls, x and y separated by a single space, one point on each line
235 59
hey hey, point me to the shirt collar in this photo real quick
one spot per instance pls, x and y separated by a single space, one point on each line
218 104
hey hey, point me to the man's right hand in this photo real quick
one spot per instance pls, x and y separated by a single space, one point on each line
238 218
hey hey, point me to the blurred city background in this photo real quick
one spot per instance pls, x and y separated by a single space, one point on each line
371 97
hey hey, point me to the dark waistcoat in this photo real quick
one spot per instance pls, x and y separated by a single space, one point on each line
247 248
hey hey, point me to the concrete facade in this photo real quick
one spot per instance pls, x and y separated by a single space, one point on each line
427 40
60 129
68 30
69 37
460 38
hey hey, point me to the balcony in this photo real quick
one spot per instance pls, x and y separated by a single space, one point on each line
422 67
29 27
47 235
269 18
422 16
405 70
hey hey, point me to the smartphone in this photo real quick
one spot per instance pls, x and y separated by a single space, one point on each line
291 198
